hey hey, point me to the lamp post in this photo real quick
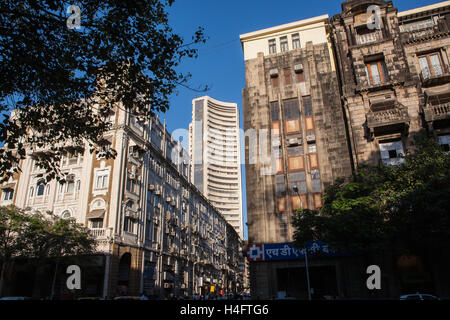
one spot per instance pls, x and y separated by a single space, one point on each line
295 189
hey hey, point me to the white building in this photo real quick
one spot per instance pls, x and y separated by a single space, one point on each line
214 145
155 231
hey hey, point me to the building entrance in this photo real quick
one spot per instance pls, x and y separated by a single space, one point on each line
293 282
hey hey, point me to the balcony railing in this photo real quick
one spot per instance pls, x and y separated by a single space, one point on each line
434 75
368 38
424 33
437 112
101 233
387 117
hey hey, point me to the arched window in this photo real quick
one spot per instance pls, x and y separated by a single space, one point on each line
65 214
47 190
40 187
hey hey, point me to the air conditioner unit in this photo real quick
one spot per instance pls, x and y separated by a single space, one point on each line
151 187
310 137
298 68
294 142
273 73
168 199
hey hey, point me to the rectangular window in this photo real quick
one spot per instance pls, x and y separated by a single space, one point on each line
309 123
279 165
307 106
392 153
275 111
8 194
298 180
300 76
275 82
148 230
272 46
296 151
299 202
96 223
431 65
284 44
444 141
70 186
376 72
292 126
101 181
295 41
315 174
281 204
287 77
128 225
290 109
280 189
296 163
312 148
313 161
316 186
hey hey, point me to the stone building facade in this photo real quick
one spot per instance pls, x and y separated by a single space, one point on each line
395 84
296 142
156 232
335 94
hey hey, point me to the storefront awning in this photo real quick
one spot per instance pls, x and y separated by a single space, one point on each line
96 214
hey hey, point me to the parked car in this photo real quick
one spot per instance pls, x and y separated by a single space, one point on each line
15 298
418 296
127 298
90 298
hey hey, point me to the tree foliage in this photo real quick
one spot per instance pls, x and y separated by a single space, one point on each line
63 82
36 236
404 208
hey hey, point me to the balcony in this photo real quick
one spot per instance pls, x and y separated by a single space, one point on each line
434 75
436 112
101 233
387 118
424 33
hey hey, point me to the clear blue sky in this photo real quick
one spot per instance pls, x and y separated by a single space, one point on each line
220 63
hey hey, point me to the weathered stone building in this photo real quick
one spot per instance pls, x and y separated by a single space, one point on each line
324 96
296 142
395 83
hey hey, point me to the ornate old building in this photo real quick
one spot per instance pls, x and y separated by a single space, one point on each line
322 97
155 231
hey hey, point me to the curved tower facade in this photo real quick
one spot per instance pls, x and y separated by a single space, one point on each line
214 145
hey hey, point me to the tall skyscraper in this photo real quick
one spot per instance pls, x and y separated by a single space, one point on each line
214 146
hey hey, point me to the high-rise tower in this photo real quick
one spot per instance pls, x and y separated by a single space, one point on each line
214 145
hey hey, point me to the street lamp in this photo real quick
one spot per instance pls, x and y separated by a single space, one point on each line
295 189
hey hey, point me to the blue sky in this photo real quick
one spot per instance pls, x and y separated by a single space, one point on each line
220 64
